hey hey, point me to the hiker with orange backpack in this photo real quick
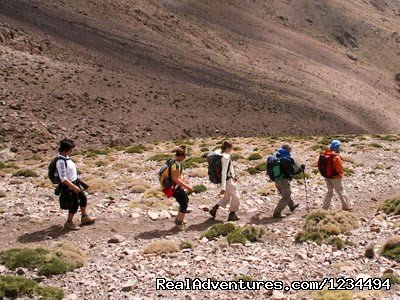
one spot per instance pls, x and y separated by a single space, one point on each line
221 171
173 185
330 165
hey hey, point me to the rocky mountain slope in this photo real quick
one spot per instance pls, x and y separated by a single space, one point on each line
132 214
117 72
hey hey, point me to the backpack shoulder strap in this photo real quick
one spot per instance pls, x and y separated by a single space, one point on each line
63 158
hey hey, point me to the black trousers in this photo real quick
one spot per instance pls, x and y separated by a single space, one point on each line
71 201
182 198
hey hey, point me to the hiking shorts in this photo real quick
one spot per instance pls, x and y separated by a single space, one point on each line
71 201
182 198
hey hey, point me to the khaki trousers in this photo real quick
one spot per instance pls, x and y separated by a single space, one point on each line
286 192
337 185
231 195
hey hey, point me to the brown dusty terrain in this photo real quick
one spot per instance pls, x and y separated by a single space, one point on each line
129 210
116 72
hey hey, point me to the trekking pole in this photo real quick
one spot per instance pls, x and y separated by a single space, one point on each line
306 190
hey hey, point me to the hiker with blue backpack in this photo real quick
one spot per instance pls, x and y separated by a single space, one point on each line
280 169
221 171
63 172
173 185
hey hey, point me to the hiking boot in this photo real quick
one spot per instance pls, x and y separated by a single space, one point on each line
278 216
233 217
69 225
213 211
86 220
180 223
293 208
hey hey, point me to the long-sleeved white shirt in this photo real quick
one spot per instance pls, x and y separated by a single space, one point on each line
226 158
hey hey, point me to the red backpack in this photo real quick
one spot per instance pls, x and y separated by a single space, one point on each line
326 165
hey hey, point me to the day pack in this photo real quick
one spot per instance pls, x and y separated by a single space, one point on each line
164 176
52 170
326 165
274 170
214 160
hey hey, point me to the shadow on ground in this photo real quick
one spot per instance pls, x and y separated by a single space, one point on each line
157 233
258 219
53 232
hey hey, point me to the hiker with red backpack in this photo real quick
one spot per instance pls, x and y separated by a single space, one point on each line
63 172
330 165
221 171
173 185
280 169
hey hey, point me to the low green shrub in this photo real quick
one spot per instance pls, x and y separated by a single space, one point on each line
13 287
47 262
236 156
234 234
160 157
25 173
242 235
391 206
186 245
255 156
219 229
391 249
193 162
321 226
198 189
7 165
136 149
96 152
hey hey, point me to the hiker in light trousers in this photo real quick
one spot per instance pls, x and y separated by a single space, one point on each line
335 182
228 184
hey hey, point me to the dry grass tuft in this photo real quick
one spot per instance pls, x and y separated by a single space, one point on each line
198 172
101 186
334 295
161 247
155 193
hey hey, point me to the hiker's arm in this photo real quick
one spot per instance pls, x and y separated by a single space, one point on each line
176 177
286 167
224 172
338 165
72 186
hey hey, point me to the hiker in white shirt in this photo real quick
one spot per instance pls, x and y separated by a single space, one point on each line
228 184
72 196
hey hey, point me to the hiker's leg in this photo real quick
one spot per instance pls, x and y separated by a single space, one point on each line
225 199
338 186
74 206
70 217
234 195
284 187
82 203
329 194
183 200
85 219
289 196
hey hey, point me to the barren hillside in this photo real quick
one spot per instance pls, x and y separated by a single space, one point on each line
115 71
